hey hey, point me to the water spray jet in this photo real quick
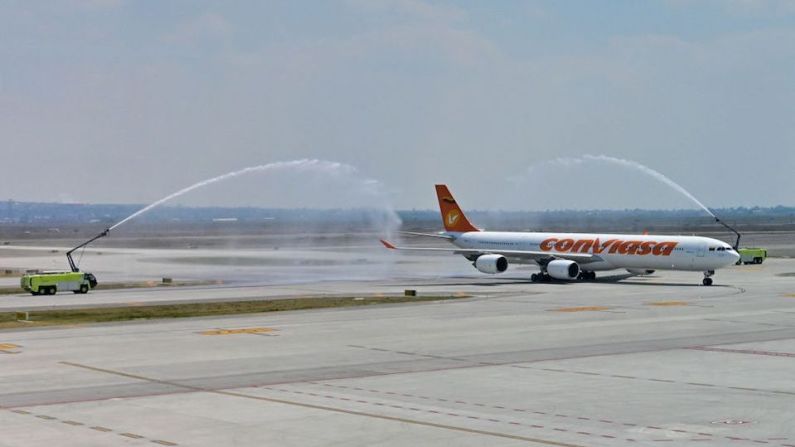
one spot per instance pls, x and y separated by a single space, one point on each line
629 164
659 176
652 173
332 169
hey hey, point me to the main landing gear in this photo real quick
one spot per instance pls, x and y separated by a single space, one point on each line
544 276
707 281
540 277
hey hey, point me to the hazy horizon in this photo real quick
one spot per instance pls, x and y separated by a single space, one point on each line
137 206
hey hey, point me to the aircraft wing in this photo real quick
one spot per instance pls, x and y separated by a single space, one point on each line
582 258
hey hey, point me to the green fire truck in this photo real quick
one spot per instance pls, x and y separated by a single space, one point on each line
48 283
751 255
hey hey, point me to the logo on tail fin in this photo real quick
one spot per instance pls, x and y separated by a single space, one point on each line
452 217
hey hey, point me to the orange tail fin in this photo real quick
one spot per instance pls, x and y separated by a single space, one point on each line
452 216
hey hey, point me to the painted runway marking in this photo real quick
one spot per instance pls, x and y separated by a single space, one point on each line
245 330
537 426
595 374
431 411
9 348
416 354
131 435
574 419
668 303
658 380
321 407
99 428
580 309
719 320
702 436
742 351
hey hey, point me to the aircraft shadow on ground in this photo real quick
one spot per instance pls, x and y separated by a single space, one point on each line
611 279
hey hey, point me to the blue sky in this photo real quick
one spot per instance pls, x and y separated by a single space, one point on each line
127 101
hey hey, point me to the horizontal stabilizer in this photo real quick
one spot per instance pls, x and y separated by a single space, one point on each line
436 235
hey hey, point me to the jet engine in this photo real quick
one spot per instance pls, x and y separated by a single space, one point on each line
563 269
640 271
491 264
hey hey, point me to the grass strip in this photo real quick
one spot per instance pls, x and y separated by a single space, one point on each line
8 320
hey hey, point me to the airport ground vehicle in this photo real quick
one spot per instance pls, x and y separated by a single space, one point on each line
48 283
751 255
575 256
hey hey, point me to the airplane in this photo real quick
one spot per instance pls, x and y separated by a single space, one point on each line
573 256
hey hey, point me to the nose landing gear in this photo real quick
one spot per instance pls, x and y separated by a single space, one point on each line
707 281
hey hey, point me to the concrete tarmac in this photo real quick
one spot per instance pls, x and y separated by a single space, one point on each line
656 360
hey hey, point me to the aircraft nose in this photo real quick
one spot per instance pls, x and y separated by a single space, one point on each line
735 257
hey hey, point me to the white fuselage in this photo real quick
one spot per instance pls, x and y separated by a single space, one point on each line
614 251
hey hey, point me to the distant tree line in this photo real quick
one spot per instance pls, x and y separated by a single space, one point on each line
36 213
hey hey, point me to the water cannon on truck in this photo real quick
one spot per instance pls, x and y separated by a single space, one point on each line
72 264
49 283
748 255
737 242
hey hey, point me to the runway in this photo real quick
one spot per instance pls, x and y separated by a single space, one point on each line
645 361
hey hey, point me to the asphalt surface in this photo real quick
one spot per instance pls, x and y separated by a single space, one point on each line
656 360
